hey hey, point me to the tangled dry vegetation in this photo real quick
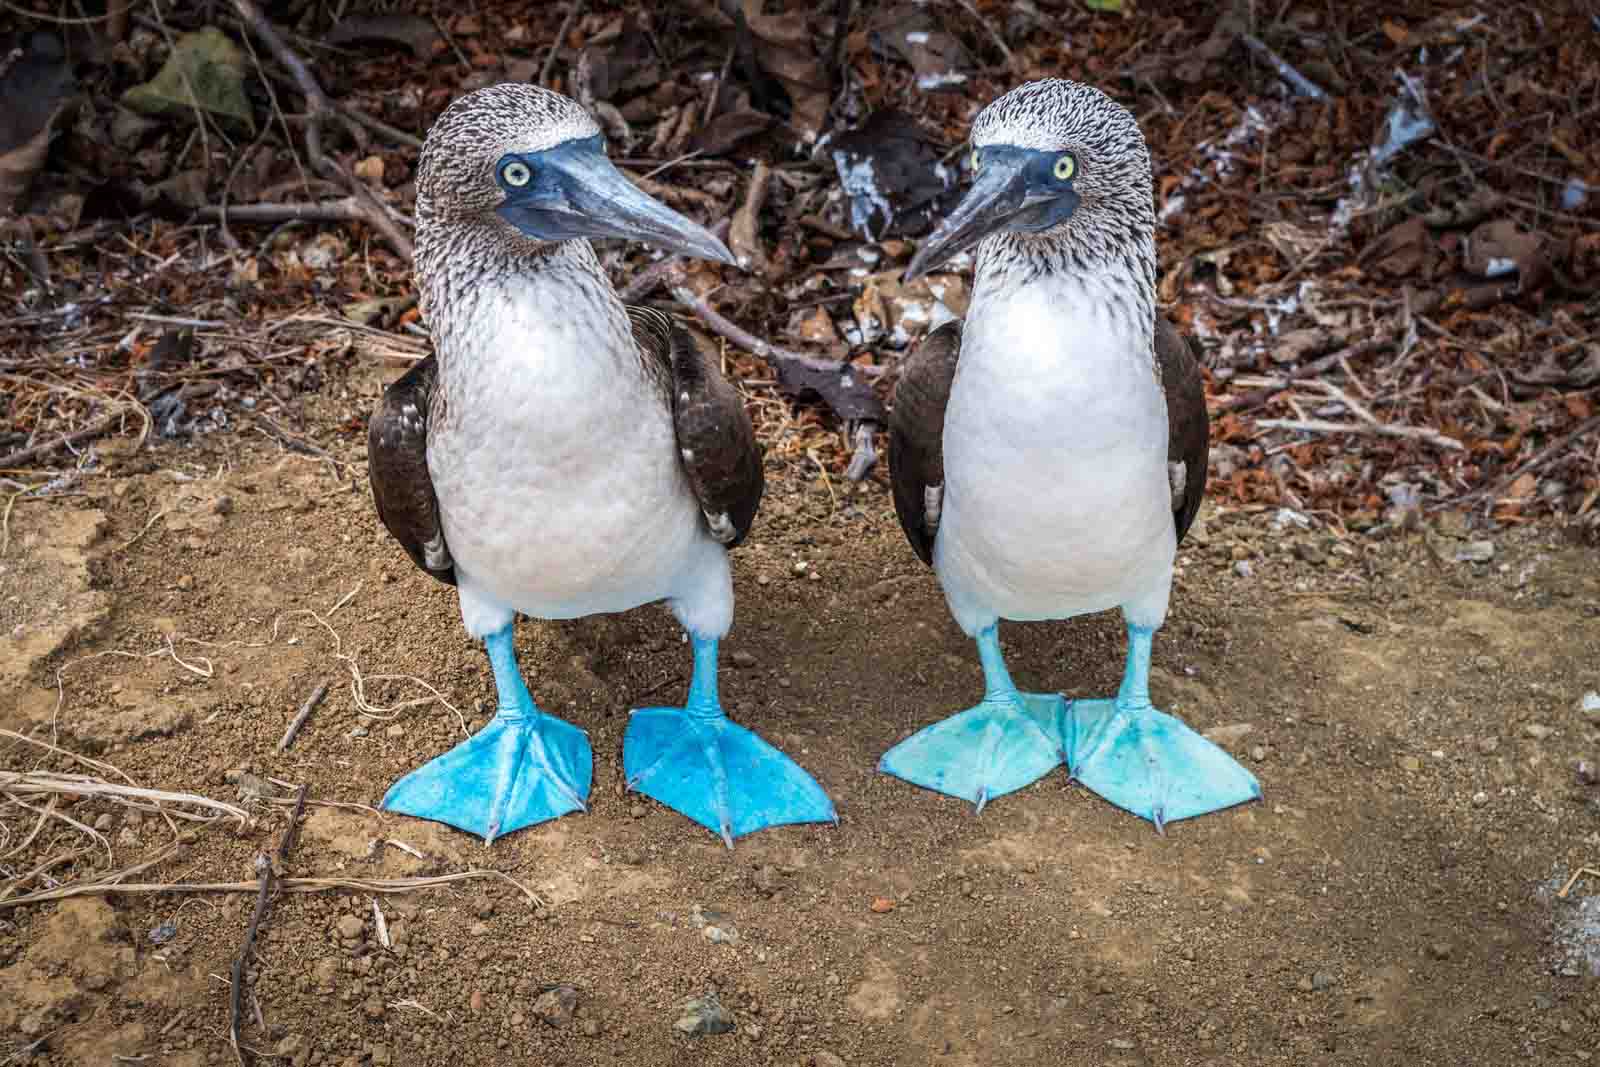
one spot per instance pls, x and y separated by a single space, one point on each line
1381 229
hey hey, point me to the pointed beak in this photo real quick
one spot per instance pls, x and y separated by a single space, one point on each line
577 192
1000 199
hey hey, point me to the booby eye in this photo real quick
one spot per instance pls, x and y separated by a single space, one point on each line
977 160
1066 166
516 173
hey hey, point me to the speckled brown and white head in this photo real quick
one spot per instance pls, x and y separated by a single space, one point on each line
512 181
1062 176
456 173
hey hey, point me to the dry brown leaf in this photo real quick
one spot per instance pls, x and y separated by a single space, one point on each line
408 31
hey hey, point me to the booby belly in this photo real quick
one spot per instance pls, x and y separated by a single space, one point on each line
564 455
1048 453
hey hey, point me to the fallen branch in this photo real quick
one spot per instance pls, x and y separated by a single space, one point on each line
1370 429
283 885
304 713
347 210
319 110
1542 457
845 387
268 866
27 455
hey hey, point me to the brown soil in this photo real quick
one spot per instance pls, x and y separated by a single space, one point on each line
1413 720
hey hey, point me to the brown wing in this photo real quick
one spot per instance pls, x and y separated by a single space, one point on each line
1188 426
716 443
397 467
916 435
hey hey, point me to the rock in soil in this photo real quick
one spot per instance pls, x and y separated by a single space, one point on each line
703 1015
556 1006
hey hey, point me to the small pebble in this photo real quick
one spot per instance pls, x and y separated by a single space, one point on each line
1258 753
1441 950
1242 568
359 731
638 811
741 658
1537 730
103 823
1321 980
825 1059
1590 704
349 927
396 730
1487 745
185 582
1475 552
1410 763
1479 799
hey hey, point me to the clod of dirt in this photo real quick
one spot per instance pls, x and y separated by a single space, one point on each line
703 1015
556 1006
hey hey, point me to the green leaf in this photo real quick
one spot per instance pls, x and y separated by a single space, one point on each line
1113 6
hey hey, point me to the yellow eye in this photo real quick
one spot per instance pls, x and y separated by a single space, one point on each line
515 173
977 160
1065 167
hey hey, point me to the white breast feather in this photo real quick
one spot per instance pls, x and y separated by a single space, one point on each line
1056 501
557 471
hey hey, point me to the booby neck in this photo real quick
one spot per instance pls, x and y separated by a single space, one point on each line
1111 279
467 275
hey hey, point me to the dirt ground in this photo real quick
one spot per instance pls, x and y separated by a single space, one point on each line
1414 720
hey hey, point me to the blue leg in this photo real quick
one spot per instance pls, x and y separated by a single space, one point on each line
524 767
995 748
1144 760
697 762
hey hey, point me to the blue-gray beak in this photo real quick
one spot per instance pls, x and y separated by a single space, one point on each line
1012 192
573 190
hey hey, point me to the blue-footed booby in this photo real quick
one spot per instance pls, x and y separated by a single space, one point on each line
562 455
1049 453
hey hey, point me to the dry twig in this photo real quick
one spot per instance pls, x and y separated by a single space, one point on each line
320 110
304 713
269 866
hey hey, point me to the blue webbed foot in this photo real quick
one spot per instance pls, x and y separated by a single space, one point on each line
1010 740
1145 761
994 748
699 763
524 767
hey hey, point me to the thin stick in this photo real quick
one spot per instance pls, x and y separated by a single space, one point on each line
24 456
555 45
1297 81
1256 398
1370 429
989 28
1545 455
286 885
750 342
320 109
300 718
346 210
1579 873
266 865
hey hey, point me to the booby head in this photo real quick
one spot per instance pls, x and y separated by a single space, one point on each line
1054 161
529 165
